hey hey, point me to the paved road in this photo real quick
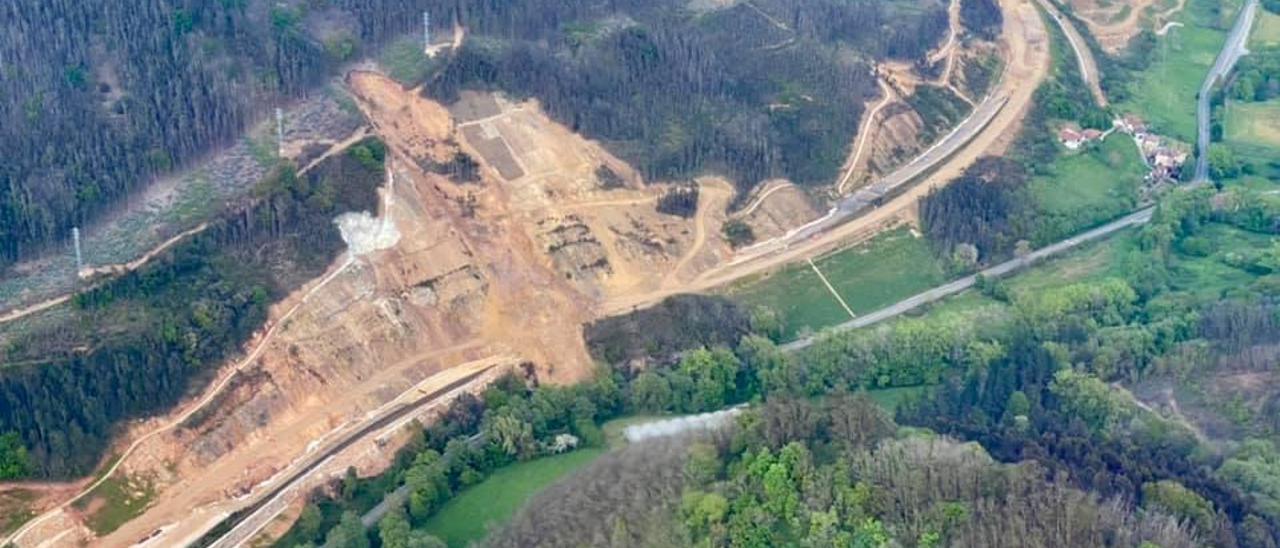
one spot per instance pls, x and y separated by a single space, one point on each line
1136 218
1231 52
240 527
1084 56
868 197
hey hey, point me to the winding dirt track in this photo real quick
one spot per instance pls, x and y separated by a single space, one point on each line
864 133
715 196
755 204
194 408
114 270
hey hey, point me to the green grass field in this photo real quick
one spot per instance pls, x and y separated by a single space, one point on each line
466 518
892 267
1165 94
1099 182
1091 262
1253 124
889 398
1266 30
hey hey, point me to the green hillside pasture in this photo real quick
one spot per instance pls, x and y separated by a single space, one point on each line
466 518
1266 30
891 267
1090 187
1254 125
1165 94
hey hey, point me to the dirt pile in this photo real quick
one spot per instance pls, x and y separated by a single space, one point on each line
777 208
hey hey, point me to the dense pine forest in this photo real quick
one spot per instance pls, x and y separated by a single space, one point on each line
135 345
755 90
100 97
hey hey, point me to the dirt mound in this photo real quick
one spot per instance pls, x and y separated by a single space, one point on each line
781 207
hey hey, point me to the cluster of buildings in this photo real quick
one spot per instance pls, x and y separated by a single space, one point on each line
1073 138
1163 157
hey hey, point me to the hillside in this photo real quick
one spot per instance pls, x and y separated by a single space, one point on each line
102 98
564 278
750 90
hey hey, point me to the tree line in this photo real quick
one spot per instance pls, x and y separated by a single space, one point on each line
834 472
1032 384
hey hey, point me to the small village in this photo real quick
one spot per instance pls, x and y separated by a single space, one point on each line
1164 157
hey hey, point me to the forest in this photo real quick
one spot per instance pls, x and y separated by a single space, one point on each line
102 98
753 91
1037 388
837 472
134 345
991 207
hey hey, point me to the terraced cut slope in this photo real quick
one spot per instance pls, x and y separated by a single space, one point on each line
499 233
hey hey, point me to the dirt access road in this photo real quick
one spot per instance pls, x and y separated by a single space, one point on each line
531 199
1084 56
103 273
310 471
1025 45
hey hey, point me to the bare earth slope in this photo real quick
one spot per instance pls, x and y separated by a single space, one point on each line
454 273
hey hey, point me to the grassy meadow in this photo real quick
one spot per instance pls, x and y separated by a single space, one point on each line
889 268
465 518
1165 94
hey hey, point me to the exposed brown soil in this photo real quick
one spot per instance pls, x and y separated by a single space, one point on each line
779 207
1024 46
513 264
1115 22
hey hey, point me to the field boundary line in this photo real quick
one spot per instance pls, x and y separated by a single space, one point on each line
831 288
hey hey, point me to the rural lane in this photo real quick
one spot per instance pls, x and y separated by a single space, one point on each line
1139 217
1084 56
1231 52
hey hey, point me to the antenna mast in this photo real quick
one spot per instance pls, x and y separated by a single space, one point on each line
426 31
279 132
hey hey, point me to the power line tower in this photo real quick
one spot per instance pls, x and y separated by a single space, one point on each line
279 132
75 241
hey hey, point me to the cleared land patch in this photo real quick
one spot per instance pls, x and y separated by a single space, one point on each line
1266 30
15 508
1096 185
116 501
